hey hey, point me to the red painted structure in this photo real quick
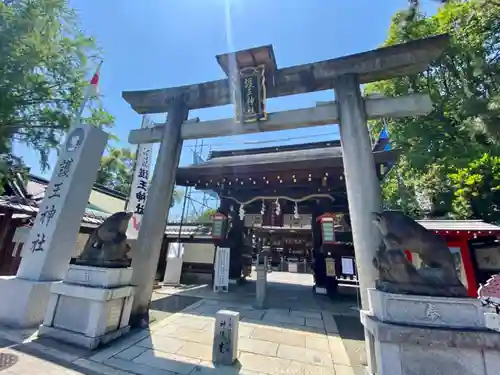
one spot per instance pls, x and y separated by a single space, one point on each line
459 234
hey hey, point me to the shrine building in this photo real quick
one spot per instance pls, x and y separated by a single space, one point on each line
273 198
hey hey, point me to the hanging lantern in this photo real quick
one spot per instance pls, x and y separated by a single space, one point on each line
327 222
219 226
263 208
278 207
296 215
242 212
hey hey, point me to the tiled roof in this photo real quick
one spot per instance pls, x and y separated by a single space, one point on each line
188 230
459 225
94 218
30 207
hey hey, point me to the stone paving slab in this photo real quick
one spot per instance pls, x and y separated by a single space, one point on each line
181 344
16 359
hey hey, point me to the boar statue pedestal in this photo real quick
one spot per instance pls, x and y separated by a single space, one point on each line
93 303
420 321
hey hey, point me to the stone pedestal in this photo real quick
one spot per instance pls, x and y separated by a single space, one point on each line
492 321
23 301
410 335
90 307
225 346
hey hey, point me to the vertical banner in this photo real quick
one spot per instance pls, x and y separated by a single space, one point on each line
140 183
221 277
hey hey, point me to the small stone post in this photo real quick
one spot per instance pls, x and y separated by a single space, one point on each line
147 251
261 284
225 347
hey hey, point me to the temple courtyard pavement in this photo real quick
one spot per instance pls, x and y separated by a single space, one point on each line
297 333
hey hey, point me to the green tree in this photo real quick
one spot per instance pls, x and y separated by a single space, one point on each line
206 216
464 125
43 73
116 169
477 189
116 172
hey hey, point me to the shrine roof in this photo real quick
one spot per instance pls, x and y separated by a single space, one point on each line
375 65
458 225
274 160
273 149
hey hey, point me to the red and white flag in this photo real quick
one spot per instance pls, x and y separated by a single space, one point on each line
92 91
94 82
93 88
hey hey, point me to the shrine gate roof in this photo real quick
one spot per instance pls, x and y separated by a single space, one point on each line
375 65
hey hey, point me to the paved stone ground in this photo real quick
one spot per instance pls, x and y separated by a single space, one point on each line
353 336
284 290
302 337
20 359
272 341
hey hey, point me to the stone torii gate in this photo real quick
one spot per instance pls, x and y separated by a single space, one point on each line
253 76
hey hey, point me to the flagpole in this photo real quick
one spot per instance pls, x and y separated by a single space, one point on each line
86 97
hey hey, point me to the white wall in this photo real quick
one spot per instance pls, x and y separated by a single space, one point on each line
198 253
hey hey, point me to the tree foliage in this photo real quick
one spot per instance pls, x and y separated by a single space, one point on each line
206 216
44 69
116 170
443 151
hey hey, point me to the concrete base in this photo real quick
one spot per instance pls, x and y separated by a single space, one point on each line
23 301
426 311
431 340
320 290
492 321
80 340
98 276
88 316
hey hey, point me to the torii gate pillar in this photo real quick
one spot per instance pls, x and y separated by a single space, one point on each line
363 187
149 241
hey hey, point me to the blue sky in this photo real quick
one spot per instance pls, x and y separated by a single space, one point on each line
151 44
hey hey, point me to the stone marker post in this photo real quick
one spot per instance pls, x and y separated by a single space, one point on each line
363 187
51 242
261 284
147 249
225 347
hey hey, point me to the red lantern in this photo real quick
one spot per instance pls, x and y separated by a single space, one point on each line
327 222
219 226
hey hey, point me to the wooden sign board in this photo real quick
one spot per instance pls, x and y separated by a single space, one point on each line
250 95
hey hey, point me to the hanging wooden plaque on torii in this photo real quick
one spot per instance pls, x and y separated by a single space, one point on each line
251 73
250 95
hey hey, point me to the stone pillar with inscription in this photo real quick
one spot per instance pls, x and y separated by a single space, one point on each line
47 251
225 344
